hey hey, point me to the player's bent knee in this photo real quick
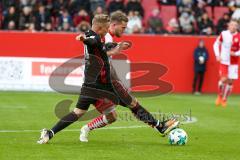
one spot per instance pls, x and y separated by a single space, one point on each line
224 79
134 103
79 112
111 117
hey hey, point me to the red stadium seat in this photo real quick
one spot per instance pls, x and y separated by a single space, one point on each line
167 13
218 13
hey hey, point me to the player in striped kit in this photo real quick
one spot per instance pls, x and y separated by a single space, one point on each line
118 24
224 47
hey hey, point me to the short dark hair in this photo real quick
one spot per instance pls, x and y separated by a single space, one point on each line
118 16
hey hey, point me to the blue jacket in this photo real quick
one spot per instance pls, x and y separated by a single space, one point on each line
198 53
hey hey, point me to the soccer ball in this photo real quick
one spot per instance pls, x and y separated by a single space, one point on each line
177 137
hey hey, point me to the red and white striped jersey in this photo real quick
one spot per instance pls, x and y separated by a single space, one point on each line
222 46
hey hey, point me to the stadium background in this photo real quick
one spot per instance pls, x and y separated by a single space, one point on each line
213 131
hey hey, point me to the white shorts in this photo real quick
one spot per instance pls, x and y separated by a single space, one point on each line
233 72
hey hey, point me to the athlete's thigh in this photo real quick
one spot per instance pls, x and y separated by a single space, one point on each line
233 72
84 102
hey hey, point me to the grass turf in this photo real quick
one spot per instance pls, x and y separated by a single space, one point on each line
214 136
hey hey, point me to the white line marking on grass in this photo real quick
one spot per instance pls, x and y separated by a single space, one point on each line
13 107
73 130
192 120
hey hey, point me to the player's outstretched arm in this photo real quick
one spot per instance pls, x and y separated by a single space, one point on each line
81 37
86 40
117 48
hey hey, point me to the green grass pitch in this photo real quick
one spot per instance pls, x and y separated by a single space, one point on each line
214 136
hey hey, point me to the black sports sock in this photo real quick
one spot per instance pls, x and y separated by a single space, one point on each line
143 115
64 122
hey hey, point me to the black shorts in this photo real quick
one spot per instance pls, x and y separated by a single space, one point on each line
94 96
91 95
84 102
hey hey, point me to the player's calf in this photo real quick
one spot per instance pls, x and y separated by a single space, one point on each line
163 127
64 122
99 122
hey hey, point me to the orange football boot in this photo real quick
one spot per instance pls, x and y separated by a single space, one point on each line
218 101
224 103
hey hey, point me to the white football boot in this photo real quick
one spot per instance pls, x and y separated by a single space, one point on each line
84 134
44 138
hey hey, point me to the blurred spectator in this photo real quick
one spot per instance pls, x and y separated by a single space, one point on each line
187 23
76 5
11 16
185 6
80 17
235 9
48 27
200 61
25 18
116 5
223 23
166 2
31 28
199 10
50 15
42 17
205 25
66 21
11 25
66 27
96 3
135 6
173 26
58 5
135 23
155 24
99 10
24 3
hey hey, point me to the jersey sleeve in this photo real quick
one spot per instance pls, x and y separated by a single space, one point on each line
216 45
91 41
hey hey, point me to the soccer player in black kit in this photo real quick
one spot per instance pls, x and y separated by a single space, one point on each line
118 24
98 89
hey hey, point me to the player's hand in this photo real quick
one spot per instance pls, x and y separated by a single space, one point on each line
125 45
232 53
80 37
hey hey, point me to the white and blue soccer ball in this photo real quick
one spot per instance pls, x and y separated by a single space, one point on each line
178 137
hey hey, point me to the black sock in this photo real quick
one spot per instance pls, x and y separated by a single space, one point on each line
64 122
143 115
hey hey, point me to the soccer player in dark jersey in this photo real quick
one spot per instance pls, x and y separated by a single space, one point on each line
118 23
97 81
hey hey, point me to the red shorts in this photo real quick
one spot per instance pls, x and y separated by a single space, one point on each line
223 70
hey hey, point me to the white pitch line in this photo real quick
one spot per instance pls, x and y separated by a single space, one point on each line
73 130
193 120
13 107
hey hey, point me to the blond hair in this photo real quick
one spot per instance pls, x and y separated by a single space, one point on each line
100 19
119 17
